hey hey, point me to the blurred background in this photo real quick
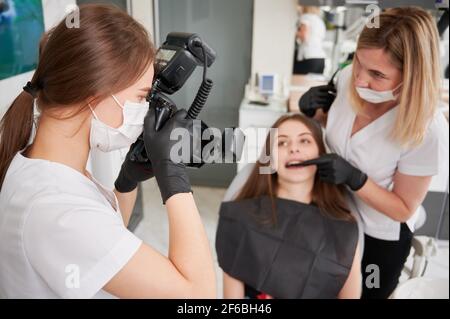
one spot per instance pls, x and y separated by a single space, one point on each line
260 74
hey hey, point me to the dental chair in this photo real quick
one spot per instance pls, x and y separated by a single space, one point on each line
414 285
424 248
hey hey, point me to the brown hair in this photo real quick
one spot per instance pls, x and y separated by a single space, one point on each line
330 199
106 54
410 37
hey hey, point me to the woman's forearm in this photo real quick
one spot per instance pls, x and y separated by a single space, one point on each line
232 288
385 201
352 288
189 248
126 204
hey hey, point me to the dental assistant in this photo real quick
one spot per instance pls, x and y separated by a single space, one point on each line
62 234
388 136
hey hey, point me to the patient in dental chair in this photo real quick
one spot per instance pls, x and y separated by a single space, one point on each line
287 234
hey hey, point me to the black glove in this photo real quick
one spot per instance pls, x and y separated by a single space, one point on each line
334 169
317 97
172 177
131 173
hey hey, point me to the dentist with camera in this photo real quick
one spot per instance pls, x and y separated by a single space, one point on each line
64 235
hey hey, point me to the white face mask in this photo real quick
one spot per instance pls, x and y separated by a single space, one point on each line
376 97
108 139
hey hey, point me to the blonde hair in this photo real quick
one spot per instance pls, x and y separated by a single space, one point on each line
310 9
409 36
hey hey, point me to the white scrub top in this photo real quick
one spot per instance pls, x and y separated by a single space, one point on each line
312 47
375 153
61 233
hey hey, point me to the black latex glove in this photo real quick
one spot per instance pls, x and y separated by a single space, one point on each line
172 177
317 97
334 169
131 173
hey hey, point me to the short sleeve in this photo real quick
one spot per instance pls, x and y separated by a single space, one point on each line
76 244
427 158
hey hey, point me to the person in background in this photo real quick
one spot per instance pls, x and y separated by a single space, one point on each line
62 233
309 56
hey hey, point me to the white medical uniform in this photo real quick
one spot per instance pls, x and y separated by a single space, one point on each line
61 233
312 47
374 152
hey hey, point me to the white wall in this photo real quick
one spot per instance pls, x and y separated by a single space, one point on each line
54 11
142 11
274 26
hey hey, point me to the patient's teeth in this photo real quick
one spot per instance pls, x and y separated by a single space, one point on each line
293 163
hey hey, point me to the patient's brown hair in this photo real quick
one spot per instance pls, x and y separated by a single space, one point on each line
329 198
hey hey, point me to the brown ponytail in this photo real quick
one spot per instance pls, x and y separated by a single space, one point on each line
15 130
106 54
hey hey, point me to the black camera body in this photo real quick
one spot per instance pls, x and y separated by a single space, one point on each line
177 59
175 62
